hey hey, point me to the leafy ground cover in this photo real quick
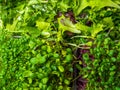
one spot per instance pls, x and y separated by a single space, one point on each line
59 45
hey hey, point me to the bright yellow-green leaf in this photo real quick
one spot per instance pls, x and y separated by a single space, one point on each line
30 80
100 4
61 68
1 24
66 25
96 29
27 73
83 5
42 25
44 80
12 27
45 34
41 59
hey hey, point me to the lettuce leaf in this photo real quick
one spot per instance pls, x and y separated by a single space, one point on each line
66 25
96 4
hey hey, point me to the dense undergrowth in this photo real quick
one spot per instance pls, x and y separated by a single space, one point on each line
59 45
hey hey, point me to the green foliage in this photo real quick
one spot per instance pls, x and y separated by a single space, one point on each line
37 54
28 62
103 71
97 5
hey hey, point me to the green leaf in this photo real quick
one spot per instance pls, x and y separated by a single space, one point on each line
32 2
49 88
33 31
113 59
98 4
31 44
69 50
12 27
49 49
112 73
1 24
41 59
60 88
64 6
30 80
66 25
40 85
44 80
117 88
108 21
106 41
85 76
82 27
40 75
61 68
34 60
85 57
53 67
111 53
56 73
42 25
45 34
68 58
28 73
82 5
43 47
67 82
96 29
55 55
113 68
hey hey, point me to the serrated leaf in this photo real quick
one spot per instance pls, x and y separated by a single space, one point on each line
42 25
95 4
100 4
66 25
96 29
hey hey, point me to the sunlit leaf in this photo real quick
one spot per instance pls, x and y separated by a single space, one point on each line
61 68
